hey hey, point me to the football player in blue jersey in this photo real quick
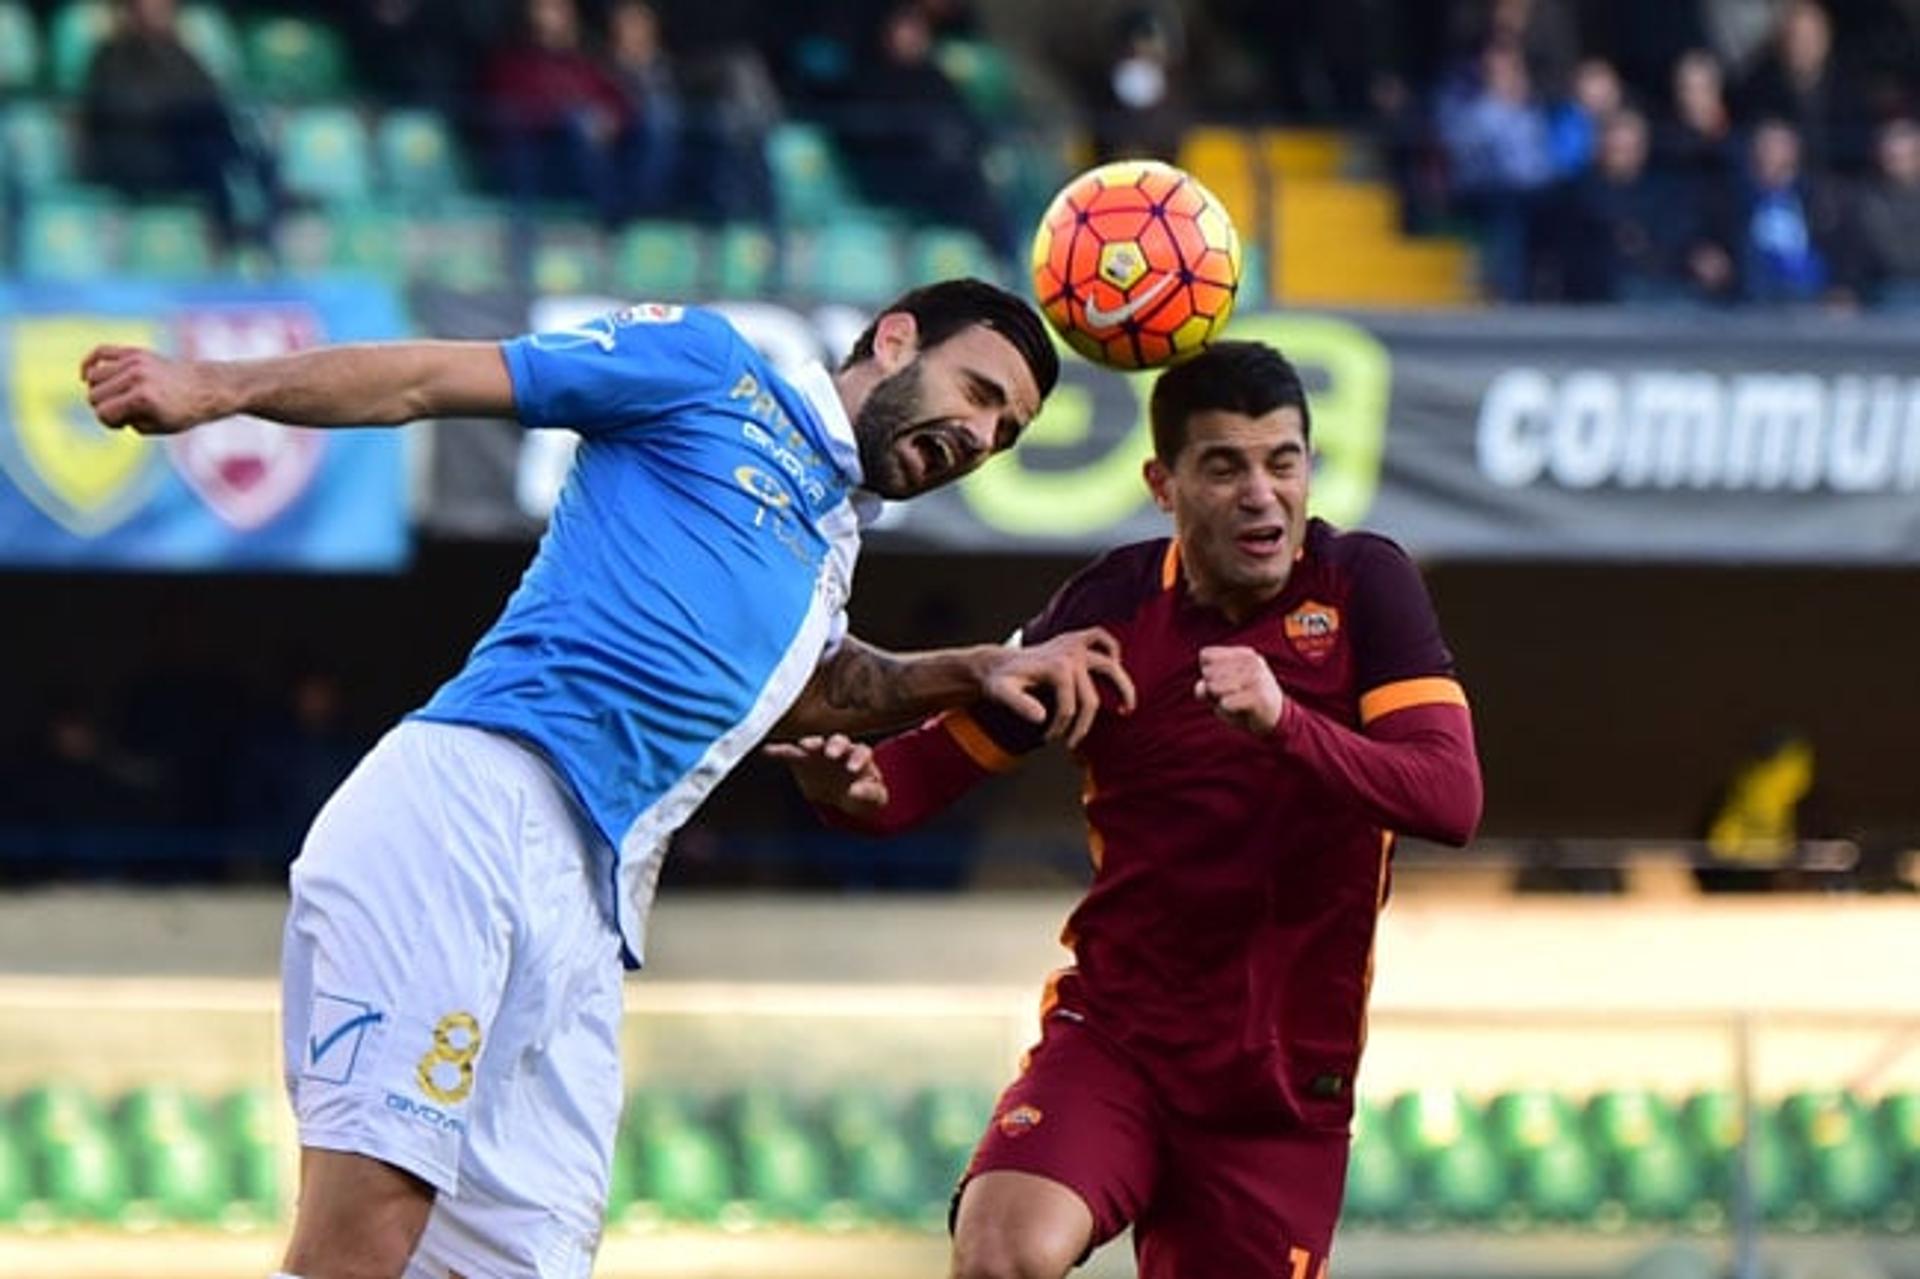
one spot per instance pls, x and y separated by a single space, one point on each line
461 905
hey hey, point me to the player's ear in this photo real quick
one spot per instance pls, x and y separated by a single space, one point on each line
1159 483
896 340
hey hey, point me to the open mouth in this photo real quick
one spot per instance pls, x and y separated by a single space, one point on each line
1269 539
933 454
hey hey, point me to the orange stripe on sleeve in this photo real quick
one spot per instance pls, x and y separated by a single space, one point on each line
980 748
1170 566
1433 690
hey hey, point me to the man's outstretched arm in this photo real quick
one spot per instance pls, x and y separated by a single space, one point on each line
863 689
369 384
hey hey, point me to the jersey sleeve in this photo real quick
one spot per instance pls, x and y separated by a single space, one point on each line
621 371
1400 659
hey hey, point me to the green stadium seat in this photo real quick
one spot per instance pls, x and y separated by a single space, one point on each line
56 1113
244 1128
1897 1118
82 1177
325 155
623 1180
945 1122
1465 1182
1428 1121
173 1163
782 1170
809 187
1379 1186
982 73
568 258
684 1171
1658 1181
659 260
209 33
37 145
19 49
1820 1119
419 161
854 1116
469 247
292 60
1558 1180
168 241
15 1185
945 253
1849 1181
745 261
77 29
884 1178
852 261
1529 1119
1626 1118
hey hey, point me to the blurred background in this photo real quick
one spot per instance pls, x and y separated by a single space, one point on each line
1608 309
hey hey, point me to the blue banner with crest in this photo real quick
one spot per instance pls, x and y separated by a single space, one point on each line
240 493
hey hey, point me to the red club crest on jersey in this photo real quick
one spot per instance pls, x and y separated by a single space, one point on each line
1312 629
1020 1121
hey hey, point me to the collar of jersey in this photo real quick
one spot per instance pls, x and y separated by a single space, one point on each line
816 386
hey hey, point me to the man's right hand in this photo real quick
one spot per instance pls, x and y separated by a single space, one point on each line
130 386
835 772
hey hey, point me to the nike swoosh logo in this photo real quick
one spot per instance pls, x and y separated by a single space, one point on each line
1101 318
318 1047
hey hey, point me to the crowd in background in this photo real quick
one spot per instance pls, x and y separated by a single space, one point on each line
1598 150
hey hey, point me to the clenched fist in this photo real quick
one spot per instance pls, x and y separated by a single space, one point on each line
1241 688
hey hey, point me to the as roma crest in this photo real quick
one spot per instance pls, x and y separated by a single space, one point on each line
245 469
1313 629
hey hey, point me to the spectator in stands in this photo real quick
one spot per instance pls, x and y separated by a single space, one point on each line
556 116
1697 143
1495 135
1546 35
1790 229
414 52
154 124
1759 817
911 140
1890 217
1573 125
1627 228
1798 81
1140 111
650 164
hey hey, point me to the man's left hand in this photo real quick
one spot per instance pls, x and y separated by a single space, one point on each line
1241 688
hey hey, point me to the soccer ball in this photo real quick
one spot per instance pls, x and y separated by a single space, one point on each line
1136 264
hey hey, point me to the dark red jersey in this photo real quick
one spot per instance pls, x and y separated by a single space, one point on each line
1226 942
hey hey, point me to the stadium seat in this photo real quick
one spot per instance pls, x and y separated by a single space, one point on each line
1379 1189
325 155
883 1177
808 185
1426 1122
292 60
419 161
567 258
684 1171
1464 1181
1529 1119
19 49
1558 1180
1711 1126
782 1170
167 241
81 1177
945 1122
1657 1181
1849 1180
943 253
659 260
244 1128
209 33
37 145
78 27
15 1185
468 246
1820 1118
623 1179
745 261
852 261
1625 1118
982 73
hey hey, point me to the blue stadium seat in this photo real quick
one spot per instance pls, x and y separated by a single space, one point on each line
77 29
209 33
419 161
36 145
69 237
325 155
19 49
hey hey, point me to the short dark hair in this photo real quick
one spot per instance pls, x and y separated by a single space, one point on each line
945 309
1229 377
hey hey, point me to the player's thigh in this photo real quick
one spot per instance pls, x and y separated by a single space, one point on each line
357 1216
1244 1205
399 938
1018 1225
1080 1117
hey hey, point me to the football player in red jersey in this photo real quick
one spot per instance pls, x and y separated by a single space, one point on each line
1296 708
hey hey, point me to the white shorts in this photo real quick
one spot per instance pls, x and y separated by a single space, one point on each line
452 997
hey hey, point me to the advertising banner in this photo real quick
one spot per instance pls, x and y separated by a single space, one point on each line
1509 435
240 493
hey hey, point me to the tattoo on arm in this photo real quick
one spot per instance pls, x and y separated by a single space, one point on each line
863 680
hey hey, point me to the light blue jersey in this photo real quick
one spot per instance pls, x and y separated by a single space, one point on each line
695 570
